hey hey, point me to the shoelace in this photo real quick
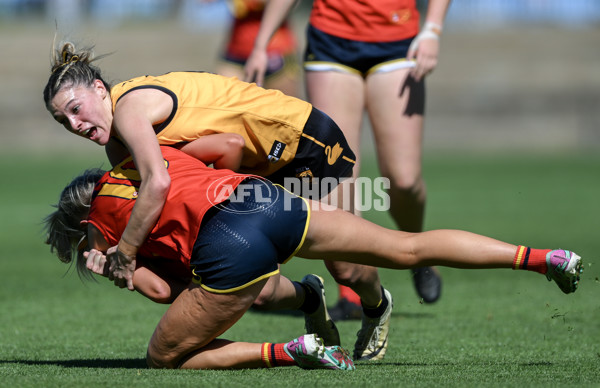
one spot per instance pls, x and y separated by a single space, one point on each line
375 330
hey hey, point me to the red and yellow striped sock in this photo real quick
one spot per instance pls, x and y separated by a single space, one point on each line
531 259
273 355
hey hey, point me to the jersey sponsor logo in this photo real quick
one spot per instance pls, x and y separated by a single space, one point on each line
276 151
333 153
400 16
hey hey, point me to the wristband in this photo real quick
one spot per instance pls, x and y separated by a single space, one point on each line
432 27
127 248
430 30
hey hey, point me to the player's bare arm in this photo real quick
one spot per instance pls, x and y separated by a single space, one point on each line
222 150
133 119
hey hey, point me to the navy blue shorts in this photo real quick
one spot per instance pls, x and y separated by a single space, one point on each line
326 52
242 240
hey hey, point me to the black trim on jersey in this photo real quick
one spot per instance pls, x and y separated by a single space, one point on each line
158 128
118 140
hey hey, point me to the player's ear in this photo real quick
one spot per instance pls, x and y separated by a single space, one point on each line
100 88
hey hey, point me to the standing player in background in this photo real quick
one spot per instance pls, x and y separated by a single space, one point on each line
283 71
370 55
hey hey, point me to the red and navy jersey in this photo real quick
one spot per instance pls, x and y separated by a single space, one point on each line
366 20
195 188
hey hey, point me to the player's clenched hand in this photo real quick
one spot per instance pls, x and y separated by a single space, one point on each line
121 269
96 262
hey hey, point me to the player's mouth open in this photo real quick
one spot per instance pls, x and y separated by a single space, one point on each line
90 133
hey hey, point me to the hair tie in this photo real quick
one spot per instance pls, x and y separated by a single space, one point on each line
74 58
71 61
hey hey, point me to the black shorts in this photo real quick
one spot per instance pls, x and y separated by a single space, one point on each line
325 52
242 240
323 152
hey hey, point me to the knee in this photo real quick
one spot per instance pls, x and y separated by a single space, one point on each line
164 352
345 278
411 255
265 299
409 186
350 275
156 359
410 182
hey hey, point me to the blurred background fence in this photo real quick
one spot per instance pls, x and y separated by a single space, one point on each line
513 74
462 14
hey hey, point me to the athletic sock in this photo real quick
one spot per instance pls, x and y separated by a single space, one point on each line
377 311
349 295
312 300
531 259
274 355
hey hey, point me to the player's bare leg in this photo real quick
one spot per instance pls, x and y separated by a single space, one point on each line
193 321
338 235
279 293
341 96
186 337
396 105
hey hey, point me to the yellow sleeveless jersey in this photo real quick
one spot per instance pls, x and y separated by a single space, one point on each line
204 103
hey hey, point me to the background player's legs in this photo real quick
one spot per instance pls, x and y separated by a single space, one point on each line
396 104
342 96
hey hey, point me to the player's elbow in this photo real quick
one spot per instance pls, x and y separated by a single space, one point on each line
160 293
236 142
160 184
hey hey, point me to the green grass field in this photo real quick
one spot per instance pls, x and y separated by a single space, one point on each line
490 328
